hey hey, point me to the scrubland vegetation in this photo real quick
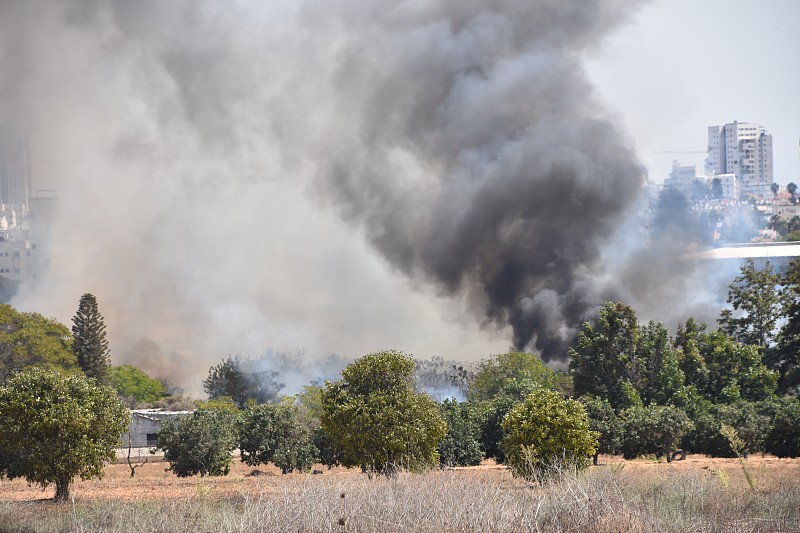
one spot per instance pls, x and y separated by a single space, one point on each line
630 389
603 499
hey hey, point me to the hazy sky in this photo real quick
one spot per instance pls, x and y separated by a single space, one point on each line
683 65
345 176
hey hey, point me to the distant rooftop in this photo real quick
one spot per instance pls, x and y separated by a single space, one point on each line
764 250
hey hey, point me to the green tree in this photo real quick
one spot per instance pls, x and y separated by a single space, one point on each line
442 378
744 417
492 412
241 380
604 421
778 224
461 446
547 432
785 357
54 427
663 382
691 361
275 433
653 429
89 340
30 340
756 306
791 188
311 400
134 385
199 443
502 371
606 363
376 420
775 188
722 370
627 363
783 438
310 403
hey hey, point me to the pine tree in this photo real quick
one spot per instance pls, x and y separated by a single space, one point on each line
89 340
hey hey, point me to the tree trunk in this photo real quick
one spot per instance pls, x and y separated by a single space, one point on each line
62 488
594 459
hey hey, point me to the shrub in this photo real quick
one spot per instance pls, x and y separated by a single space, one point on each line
653 429
274 433
546 432
493 411
461 446
606 423
375 419
200 443
783 438
750 426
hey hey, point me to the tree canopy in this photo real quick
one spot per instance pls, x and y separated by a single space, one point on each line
376 421
275 433
54 427
461 445
133 384
655 428
785 357
199 443
721 369
89 340
604 421
30 340
627 363
504 371
756 305
783 438
242 380
547 432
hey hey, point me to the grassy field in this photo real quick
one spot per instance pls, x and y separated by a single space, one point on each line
698 494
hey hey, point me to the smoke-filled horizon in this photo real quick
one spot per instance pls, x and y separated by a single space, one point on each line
332 176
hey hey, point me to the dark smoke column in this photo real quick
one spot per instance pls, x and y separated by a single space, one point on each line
472 150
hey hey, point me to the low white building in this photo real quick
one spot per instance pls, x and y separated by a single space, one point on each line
145 425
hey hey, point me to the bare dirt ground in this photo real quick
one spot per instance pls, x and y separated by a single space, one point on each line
153 481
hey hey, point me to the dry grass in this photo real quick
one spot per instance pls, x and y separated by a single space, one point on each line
635 496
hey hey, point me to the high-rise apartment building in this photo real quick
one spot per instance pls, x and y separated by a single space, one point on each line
15 187
14 177
745 150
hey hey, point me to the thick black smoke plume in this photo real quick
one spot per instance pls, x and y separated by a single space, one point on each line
477 157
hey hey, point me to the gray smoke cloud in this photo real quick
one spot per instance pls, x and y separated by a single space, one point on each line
461 139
